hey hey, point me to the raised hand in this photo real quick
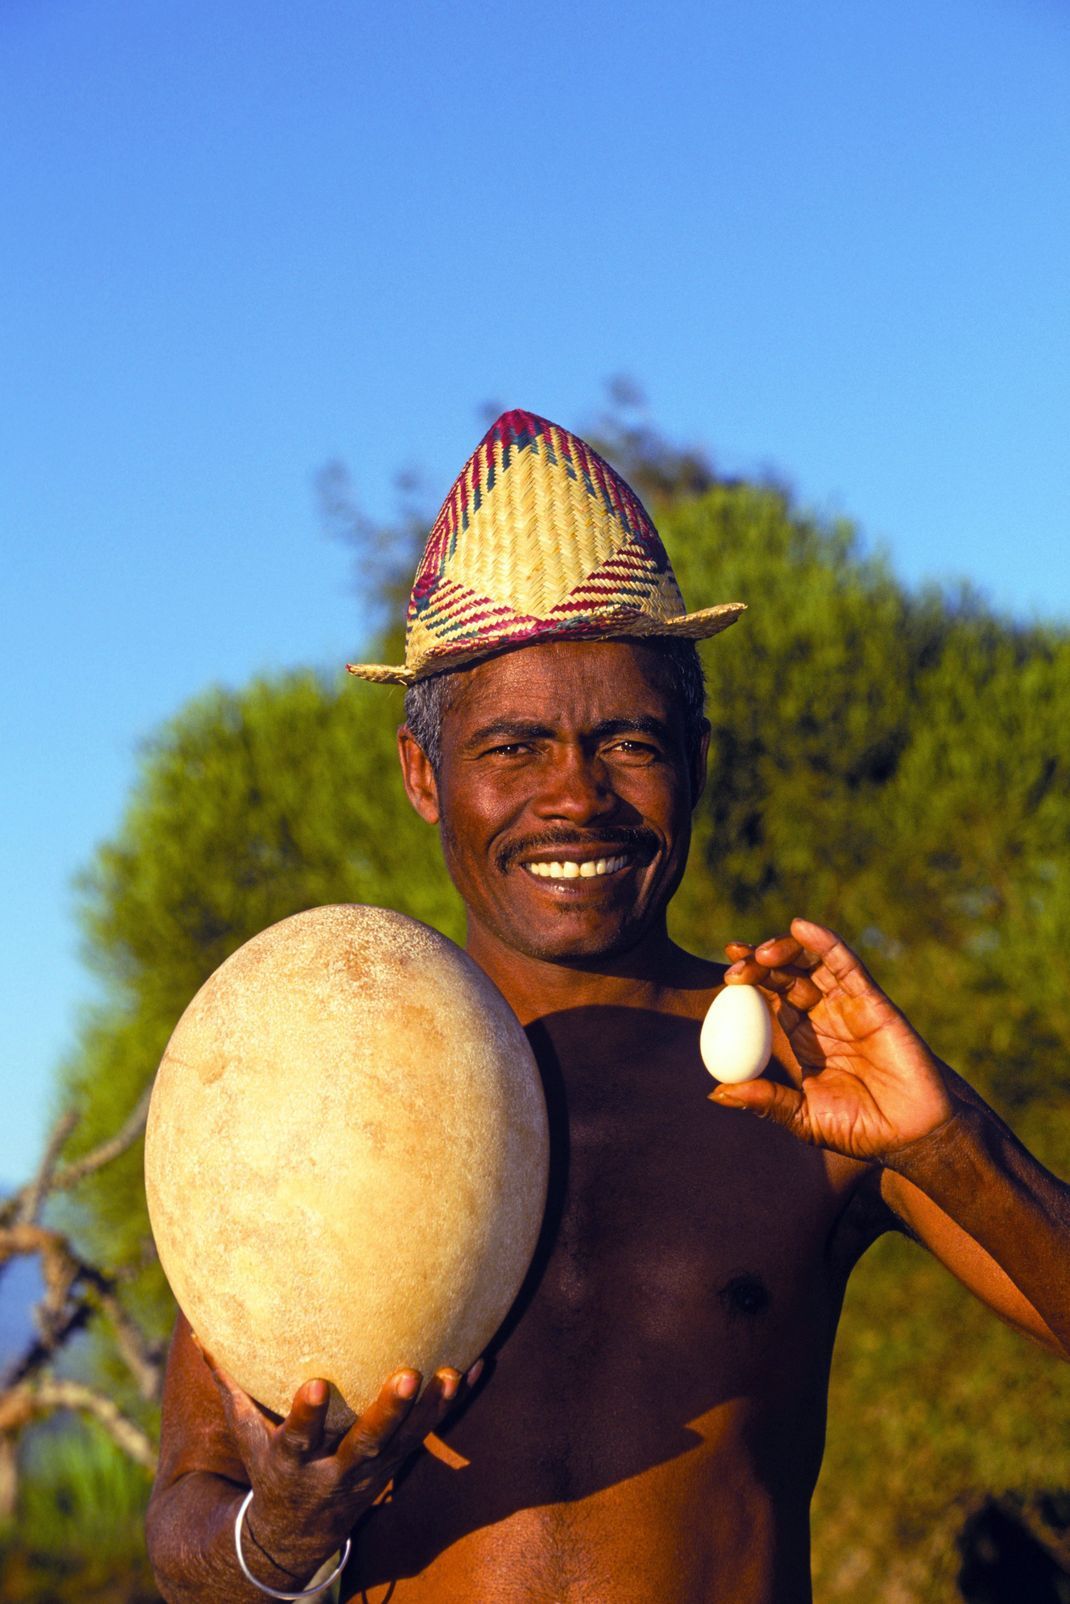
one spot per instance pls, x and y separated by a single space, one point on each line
309 1483
863 1082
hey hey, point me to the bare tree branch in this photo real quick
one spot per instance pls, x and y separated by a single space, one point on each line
26 1238
61 1180
143 1359
19 1405
33 1196
60 1268
74 1291
51 1335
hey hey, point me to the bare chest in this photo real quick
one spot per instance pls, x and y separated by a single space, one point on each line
685 1251
672 1339
670 1218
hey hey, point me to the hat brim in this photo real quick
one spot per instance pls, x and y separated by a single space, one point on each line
685 626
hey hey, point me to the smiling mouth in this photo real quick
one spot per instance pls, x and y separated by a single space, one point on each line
576 869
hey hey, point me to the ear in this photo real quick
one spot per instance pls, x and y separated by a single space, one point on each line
699 762
418 776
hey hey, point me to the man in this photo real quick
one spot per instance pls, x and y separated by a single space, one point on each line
649 1425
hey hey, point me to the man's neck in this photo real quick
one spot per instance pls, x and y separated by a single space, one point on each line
649 975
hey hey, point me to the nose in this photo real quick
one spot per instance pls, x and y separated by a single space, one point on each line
576 787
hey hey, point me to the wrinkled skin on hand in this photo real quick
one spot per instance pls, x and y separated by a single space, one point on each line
306 1480
864 1084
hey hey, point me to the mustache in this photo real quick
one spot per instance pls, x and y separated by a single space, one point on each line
610 839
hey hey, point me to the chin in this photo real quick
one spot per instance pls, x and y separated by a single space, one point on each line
563 946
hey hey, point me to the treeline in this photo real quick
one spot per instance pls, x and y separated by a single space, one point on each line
895 764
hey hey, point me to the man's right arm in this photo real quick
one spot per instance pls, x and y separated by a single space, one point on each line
308 1491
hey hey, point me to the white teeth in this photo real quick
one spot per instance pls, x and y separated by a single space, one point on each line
572 869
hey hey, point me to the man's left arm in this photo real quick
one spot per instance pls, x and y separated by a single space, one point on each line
996 1217
867 1086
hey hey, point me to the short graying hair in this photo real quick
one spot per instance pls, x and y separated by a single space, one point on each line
682 679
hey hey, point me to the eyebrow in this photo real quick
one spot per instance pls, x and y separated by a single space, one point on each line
642 725
509 729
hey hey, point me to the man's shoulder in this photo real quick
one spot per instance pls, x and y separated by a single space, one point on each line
695 980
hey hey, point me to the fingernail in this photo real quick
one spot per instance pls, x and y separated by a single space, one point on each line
449 1381
474 1374
726 1099
315 1392
734 969
406 1385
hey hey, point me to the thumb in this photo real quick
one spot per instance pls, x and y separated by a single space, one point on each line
784 1105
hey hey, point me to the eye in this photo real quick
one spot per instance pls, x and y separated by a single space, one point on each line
633 750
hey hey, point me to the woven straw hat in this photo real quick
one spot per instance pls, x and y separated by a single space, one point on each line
539 539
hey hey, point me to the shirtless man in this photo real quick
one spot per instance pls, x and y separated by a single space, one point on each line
649 1422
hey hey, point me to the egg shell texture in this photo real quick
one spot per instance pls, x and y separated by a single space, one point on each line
346 1156
737 1035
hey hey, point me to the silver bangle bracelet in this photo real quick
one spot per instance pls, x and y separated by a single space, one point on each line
272 1592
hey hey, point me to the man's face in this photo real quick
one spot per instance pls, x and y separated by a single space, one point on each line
564 798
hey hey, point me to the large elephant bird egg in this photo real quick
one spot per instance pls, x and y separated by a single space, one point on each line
346 1157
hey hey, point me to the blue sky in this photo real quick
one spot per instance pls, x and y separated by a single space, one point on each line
830 241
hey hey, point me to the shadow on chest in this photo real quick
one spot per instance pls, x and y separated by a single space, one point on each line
665 1211
681 1263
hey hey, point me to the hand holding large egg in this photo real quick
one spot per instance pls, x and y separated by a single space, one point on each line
346 1157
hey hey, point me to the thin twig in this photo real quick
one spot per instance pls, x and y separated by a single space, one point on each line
20 1404
34 1194
143 1359
60 1267
74 1291
42 1348
26 1238
61 1180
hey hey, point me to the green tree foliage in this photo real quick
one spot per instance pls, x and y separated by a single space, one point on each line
892 763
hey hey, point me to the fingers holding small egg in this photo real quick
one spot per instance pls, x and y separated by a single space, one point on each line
784 955
736 1039
789 988
780 952
780 965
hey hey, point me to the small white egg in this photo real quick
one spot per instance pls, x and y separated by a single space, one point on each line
737 1035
